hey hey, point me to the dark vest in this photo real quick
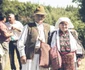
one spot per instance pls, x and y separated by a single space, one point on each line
31 38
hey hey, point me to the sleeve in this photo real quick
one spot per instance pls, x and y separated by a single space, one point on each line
53 40
21 27
52 28
22 40
80 49
3 29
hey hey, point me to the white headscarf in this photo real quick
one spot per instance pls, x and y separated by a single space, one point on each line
66 19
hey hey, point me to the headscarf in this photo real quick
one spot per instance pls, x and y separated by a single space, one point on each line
66 19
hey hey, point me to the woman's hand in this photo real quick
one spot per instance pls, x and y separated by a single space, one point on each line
79 62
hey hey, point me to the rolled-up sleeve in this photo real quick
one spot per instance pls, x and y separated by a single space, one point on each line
22 40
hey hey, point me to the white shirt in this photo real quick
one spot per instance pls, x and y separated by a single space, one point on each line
22 39
17 25
41 32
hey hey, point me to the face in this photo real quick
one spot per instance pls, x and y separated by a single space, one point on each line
39 18
11 19
4 20
63 26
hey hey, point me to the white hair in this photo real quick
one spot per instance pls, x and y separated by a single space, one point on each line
12 15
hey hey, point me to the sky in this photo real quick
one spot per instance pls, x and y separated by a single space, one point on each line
53 3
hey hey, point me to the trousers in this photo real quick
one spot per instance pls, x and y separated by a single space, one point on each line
12 48
3 54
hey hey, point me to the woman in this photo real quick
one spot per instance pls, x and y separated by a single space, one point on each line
66 43
5 35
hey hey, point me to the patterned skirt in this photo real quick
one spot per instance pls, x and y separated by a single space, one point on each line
68 62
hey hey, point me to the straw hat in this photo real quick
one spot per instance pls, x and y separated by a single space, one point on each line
40 10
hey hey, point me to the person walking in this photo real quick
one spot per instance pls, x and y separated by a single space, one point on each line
16 27
66 44
5 35
29 44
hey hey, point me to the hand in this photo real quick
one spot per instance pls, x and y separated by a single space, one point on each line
23 59
14 28
79 62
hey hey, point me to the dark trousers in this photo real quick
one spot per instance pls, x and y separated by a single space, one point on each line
12 47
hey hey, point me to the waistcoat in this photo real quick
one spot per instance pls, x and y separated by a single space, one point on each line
31 38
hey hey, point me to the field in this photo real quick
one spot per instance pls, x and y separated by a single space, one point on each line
81 67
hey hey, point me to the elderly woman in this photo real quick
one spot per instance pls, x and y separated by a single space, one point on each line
65 42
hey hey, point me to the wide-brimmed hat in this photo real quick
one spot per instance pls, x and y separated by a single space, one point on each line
66 19
40 10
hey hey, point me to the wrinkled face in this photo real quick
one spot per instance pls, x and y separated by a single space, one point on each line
63 26
39 18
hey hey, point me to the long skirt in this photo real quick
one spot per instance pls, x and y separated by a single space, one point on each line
68 61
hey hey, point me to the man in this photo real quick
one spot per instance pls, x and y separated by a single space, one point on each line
16 27
4 40
29 43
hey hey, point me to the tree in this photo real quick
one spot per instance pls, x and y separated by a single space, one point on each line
78 2
1 2
82 11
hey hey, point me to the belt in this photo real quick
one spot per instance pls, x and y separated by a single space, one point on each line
14 41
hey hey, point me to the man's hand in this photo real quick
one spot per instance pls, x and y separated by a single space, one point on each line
23 59
14 28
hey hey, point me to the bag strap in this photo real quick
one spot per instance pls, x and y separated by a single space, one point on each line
50 37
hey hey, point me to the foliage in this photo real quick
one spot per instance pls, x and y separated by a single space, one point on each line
81 3
24 13
82 11
78 2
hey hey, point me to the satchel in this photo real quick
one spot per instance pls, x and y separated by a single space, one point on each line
44 54
55 57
